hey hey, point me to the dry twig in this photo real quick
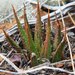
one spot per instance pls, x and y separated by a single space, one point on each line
67 39
10 63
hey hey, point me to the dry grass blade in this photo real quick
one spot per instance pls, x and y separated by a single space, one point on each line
7 56
67 39
69 15
9 62
31 70
68 29
71 18
70 54
58 55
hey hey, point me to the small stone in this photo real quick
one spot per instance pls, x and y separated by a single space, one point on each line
70 34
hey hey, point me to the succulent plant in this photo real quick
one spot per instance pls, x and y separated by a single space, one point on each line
38 48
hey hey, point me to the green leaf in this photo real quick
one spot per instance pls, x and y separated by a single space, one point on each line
21 30
57 56
58 34
38 31
12 42
28 32
46 50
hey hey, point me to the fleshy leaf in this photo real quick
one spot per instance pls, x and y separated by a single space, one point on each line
47 43
58 34
12 42
28 32
57 56
21 30
38 31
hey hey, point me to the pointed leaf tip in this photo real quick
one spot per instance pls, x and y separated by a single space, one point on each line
12 42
